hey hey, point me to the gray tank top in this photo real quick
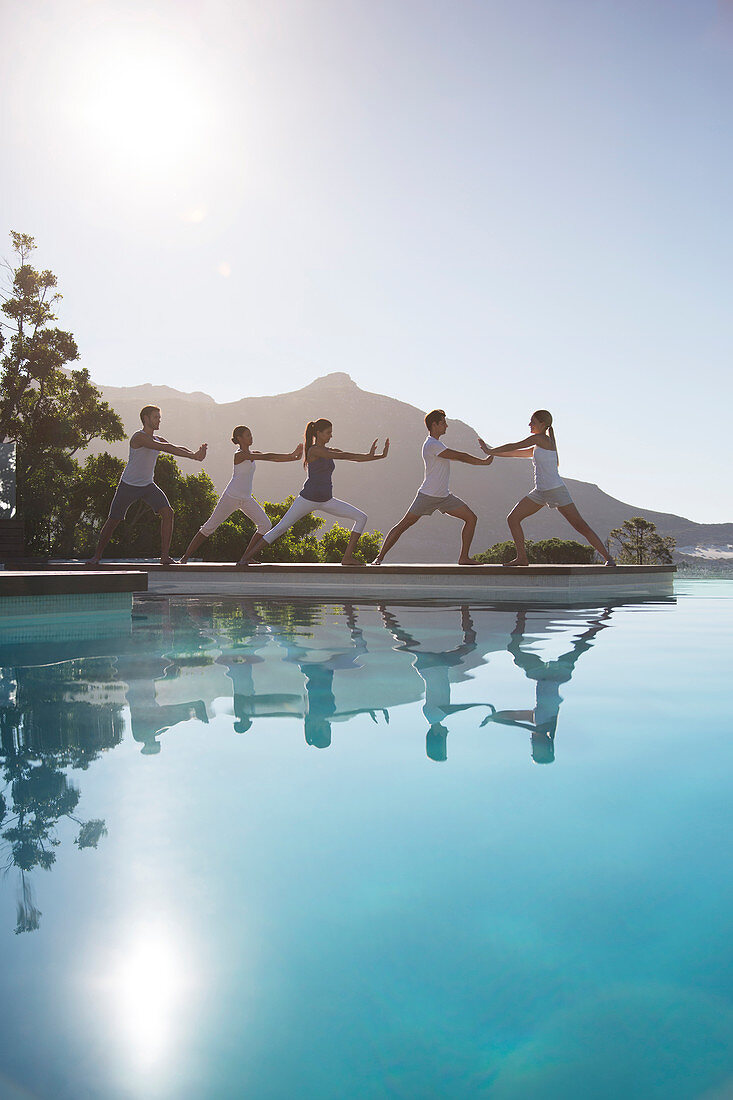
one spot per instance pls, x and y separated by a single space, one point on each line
318 486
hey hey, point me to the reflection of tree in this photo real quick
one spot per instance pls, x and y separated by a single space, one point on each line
61 716
434 667
548 676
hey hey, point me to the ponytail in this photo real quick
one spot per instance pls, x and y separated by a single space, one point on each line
311 428
545 418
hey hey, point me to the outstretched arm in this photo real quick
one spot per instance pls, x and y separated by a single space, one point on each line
463 456
523 449
271 456
142 439
350 456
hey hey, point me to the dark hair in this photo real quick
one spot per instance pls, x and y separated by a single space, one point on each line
147 411
433 417
309 438
238 431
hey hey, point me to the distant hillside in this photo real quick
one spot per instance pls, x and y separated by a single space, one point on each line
384 490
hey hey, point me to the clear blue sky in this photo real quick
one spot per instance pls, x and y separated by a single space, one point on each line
491 206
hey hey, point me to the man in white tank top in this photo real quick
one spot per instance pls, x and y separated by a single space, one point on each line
137 483
434 494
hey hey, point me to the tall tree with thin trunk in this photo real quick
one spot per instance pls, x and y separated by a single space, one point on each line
51 411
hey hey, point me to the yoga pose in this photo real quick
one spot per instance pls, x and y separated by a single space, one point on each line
317 494
549 487
237 497
433 494
137 483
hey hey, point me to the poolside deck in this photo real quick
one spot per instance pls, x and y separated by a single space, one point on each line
538 583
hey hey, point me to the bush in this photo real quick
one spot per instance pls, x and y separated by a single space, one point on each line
541 552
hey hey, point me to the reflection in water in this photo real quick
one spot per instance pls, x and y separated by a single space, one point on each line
63 704
548 676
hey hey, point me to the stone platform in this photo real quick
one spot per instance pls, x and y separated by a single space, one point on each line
484 583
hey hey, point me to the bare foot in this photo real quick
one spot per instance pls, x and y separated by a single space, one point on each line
350 561
466 561
241 564
93 562
610 564
516 561
184 560
168 561
377 561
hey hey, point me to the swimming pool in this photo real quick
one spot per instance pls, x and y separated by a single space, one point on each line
278 849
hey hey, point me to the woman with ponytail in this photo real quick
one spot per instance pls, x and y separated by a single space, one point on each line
317 493
549 487
237 497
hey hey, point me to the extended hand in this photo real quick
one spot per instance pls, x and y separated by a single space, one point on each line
298 452
200 454
386 447
484 446
373 448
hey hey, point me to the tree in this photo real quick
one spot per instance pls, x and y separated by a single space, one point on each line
333 545
639 543
49 410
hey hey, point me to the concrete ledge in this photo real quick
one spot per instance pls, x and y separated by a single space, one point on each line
70 582
537 583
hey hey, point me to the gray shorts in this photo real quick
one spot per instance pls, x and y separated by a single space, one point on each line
423 505
126 495
553 498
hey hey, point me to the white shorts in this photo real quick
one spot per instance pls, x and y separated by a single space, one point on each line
303 507
227 505
553 498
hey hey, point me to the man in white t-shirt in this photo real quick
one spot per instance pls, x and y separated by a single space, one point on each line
137 483
434 495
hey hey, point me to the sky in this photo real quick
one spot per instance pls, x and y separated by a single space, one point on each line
488 206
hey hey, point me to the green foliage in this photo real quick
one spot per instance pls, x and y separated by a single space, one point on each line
541 552
333 545
49 410
639 543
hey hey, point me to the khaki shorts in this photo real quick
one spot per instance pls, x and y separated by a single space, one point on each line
423 505
553 498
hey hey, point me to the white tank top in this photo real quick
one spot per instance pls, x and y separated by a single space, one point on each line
545 469
240 485
140 466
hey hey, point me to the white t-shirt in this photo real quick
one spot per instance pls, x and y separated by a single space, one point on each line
140 465
437 470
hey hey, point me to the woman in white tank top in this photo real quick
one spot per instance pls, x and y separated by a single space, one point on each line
237 497
549 487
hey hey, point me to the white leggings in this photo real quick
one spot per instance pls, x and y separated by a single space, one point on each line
302 507
227 505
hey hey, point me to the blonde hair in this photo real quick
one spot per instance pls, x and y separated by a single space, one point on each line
545 418
311 428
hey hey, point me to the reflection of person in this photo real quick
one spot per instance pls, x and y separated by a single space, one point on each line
548 676
136 483
317 493
434 495
434 670
148 718
320 700
549 487
237 497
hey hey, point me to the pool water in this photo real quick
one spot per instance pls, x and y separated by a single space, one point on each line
267 849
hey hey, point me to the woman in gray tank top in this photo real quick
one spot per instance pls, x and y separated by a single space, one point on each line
317 492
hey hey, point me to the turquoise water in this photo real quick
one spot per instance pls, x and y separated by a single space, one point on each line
269 849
